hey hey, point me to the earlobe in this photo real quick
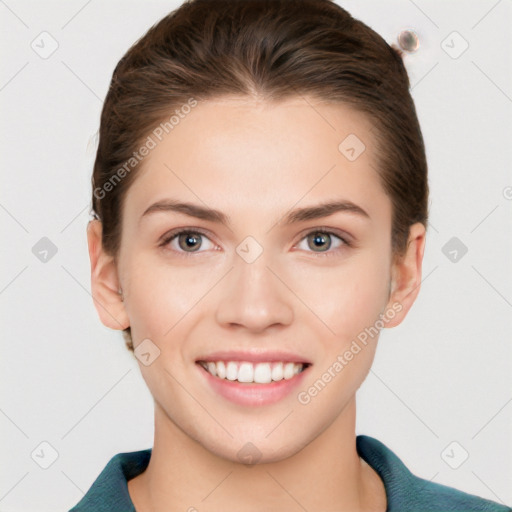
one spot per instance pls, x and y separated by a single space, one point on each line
406 275
105 284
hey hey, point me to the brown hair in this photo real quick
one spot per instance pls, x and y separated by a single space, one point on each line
272 49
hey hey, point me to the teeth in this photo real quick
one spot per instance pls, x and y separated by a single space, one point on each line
277 372
231 371
212 368
221 369
288 371
245 372
260 373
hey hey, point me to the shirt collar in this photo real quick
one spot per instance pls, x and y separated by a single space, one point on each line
403 489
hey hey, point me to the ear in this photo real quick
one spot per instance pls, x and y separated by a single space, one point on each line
105 281
406 275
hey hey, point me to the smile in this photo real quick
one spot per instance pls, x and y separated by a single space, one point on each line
247 372
252 383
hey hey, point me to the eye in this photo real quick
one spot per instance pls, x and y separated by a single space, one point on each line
185 240
322 239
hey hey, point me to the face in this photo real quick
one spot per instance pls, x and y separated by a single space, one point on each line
261 281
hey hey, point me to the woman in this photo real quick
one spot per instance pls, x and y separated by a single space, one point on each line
261 200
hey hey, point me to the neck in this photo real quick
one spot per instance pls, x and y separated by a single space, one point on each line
327 474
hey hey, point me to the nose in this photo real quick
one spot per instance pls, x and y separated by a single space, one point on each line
255 296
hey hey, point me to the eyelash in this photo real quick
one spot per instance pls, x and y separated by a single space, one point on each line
169 237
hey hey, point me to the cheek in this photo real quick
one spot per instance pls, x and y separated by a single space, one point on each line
346 298
348 301
160 296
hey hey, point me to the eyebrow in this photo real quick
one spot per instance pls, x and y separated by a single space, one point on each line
295 216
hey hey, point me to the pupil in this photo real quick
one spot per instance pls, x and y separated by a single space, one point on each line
190 241
320 238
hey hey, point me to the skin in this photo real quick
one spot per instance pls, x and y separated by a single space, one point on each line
255 161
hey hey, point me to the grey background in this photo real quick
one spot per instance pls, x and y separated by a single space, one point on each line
443 376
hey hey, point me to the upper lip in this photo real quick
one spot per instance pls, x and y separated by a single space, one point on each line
254 357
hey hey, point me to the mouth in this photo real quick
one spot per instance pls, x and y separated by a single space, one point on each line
246 372
252 383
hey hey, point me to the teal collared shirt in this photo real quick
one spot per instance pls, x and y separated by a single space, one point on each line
405 492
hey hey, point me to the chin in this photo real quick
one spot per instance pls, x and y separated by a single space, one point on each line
255 450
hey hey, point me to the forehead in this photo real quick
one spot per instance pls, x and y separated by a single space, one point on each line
254 155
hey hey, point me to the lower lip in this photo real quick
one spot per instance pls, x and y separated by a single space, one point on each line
253 394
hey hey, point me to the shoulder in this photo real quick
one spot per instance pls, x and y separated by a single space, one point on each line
110 490
408 492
